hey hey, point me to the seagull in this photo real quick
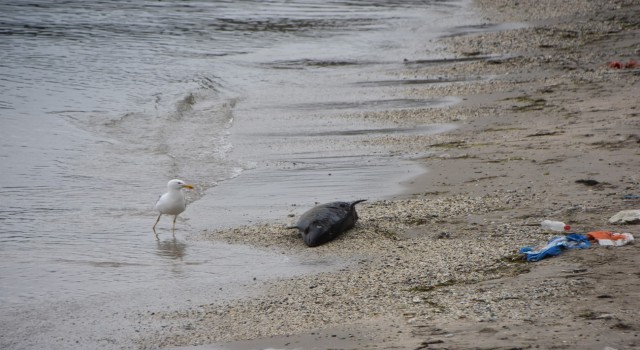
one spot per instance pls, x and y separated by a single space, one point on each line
172 202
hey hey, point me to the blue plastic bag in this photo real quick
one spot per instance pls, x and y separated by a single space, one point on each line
555 246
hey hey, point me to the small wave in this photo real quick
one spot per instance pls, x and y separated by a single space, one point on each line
373 105
395 82
100 263
284 24
305 63
183 106
6 105
439 61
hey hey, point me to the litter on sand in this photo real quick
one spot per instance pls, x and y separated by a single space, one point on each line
631 64
626 217
556 245
607 238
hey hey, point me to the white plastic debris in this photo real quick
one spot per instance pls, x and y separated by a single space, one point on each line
626 217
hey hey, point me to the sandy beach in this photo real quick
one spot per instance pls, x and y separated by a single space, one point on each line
546 130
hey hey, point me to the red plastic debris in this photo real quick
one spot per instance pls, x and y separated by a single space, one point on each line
631 64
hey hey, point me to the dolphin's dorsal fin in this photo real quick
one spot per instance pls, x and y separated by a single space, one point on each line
353 204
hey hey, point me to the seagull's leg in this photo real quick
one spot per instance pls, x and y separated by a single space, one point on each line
154 225
174 222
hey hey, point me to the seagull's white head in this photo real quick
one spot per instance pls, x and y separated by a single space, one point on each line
176 184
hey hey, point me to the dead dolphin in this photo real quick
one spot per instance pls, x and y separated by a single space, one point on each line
325 222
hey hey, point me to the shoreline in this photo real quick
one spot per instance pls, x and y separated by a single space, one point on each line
437 267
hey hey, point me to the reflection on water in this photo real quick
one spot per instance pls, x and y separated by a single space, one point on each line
171 248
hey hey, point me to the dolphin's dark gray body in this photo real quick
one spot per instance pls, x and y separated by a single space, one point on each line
325 222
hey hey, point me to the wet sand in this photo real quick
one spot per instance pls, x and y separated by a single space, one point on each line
437 267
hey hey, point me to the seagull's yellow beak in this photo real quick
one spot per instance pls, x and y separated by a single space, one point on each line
187 186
